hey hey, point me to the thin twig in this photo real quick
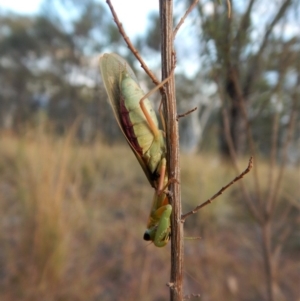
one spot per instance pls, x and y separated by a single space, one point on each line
272 164
184 17
186 113
292 200
253 209
267 255
188 297
130 45
229 8
250 165
289 135
249 131
193 238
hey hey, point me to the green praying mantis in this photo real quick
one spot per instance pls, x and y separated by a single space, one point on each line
138 122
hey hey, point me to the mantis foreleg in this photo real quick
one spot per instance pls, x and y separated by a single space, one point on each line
163 231
159 229
152 125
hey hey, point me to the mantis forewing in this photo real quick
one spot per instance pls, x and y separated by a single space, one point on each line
138 122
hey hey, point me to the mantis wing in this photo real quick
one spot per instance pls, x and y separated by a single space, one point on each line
112 67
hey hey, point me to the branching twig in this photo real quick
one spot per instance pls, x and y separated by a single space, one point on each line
130 45
250 165
184 17
186 113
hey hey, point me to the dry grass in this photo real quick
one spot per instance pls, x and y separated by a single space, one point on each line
72 219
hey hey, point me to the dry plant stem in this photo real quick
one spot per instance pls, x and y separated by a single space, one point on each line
186 113
290 131
253 209
274 141
62 171
249 167
169 102
225 116
130 45
190 296
271 196
229 8
184 17
267 206
242 104
292 200
269 255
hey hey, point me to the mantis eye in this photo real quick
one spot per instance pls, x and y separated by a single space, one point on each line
147 236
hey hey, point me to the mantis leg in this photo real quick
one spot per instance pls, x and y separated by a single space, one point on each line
163 231
162 116
162 176
160 226
152 125
164 182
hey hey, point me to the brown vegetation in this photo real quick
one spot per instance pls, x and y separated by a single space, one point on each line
72 219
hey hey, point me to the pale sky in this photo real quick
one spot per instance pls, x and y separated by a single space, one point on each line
133 25
26 7
134 21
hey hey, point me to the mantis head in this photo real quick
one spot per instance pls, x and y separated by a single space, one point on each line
160 233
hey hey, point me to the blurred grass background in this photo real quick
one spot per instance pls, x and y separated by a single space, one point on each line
73 217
